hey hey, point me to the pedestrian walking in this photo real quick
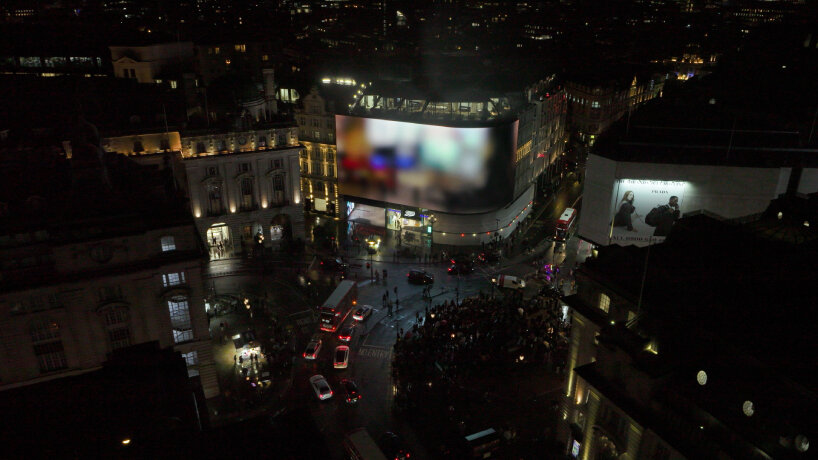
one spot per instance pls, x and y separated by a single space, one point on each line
397 304
234 359
396 291
241 360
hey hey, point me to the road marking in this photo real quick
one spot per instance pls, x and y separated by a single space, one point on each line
375 352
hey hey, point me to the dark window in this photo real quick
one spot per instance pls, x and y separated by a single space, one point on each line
214 199
278 189
246 193
45 337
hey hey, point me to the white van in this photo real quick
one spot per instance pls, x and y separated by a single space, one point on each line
509 282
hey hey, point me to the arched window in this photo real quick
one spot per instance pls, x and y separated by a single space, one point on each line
119 332
47 342
180 319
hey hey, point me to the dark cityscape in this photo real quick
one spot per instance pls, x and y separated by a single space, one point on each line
397 229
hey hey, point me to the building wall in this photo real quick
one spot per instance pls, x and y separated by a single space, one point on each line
194 144
592 109
319 166
92 279
601 306
729 192
149 61
541 138
149 143
264 169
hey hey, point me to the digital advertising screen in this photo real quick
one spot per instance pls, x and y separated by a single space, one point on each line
452 169
644 211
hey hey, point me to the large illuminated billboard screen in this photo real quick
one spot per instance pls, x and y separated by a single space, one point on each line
644 211
453 169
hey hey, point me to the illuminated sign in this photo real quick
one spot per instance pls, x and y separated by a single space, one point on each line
461 170
644 211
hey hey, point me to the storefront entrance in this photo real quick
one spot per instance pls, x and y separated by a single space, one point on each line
219 242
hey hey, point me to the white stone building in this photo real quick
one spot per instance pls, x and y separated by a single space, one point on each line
244 189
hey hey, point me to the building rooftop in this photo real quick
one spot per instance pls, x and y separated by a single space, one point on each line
751 284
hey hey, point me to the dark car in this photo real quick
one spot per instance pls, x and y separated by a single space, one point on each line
393 447
334 266
350 391
346 332
420 276
460 267
488 257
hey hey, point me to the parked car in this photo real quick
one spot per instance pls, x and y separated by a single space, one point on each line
362 313
341 357
351 395
393 446
311 352
346 332
321 387
420 276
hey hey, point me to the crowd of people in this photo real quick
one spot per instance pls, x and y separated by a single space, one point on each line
482 334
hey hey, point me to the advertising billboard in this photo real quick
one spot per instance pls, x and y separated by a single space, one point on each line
453 169
644 211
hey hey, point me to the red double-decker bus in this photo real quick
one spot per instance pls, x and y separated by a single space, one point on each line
564 224
337 307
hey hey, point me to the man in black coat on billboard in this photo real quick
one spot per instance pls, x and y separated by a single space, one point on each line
668 216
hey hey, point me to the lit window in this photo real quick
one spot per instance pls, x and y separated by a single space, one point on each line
241 48
265 57
168 243
173 84
604 303
173 279
180 319
191 358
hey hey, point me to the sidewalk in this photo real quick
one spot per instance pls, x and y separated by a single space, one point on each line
251 387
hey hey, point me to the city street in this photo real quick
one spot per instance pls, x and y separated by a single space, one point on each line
373 339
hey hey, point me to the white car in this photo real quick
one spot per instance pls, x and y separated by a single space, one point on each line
341 357
362 313
311 352
321 387
509 282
